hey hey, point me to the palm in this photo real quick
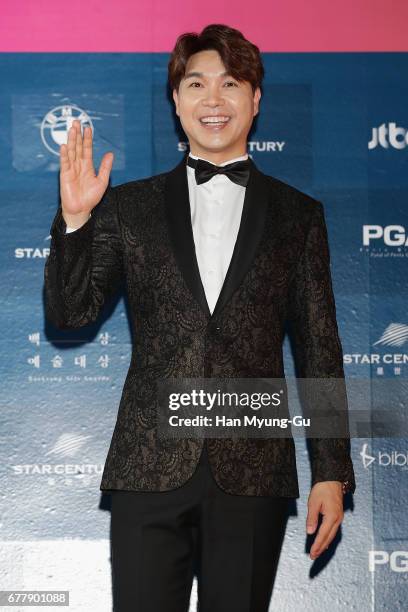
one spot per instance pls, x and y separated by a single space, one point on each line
80 187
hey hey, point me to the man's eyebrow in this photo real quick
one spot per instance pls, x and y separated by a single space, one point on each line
201 74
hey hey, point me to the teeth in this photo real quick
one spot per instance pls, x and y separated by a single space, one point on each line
219 119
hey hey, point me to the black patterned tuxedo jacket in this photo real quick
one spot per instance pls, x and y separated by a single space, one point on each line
141 234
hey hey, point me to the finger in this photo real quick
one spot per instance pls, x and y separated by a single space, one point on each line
64 159
326 542
312 518
87 143
324 530
105 167
71 143
78 143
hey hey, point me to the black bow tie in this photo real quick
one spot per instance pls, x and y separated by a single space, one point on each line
238 172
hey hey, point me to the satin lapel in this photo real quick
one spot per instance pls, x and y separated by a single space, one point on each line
249 235
178 215
181 233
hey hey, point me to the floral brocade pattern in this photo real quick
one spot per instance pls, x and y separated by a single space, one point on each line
127 241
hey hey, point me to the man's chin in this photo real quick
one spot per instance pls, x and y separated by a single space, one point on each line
213 145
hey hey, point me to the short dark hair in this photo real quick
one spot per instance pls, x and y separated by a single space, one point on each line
241 58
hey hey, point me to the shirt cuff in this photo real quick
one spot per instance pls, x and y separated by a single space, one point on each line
72 229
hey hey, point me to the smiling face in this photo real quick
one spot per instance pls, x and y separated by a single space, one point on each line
215 110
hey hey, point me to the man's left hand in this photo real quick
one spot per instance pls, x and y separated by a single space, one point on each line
325 497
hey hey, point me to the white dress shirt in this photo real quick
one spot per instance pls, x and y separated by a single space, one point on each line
216 209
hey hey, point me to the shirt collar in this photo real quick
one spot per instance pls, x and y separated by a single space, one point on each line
223 164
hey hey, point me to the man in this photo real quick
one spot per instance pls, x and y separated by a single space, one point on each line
216 257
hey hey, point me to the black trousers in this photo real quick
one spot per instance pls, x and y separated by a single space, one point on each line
159 540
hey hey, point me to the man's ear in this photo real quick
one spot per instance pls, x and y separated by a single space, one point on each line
175 98
257 97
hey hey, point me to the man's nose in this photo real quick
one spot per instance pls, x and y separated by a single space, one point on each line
213 98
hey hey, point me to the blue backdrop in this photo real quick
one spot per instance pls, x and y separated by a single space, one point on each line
333 125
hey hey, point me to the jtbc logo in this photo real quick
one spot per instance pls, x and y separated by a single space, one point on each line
397 560
392 135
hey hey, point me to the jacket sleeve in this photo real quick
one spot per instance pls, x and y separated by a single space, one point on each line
84 268
317 346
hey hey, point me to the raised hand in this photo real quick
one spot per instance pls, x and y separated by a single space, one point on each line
80 188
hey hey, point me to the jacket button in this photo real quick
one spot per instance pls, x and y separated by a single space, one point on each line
214 329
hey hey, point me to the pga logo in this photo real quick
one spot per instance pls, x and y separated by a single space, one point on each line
384 136
397 560
391 235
